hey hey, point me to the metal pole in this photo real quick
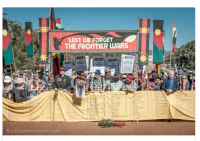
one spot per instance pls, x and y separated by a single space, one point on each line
137 54
49 54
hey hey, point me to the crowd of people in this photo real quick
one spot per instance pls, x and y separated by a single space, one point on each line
22 85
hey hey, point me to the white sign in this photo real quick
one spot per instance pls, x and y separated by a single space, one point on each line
80 63
127 63
91 65
99 64
113 62
68 67
80 91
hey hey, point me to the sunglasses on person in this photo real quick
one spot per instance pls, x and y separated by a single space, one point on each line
184 78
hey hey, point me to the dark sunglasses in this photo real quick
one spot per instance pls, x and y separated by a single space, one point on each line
184 78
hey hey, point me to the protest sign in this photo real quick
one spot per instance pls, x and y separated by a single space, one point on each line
80 63
113 63
68 67
99 64
127 63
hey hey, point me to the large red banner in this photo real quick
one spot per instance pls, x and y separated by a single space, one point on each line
93 41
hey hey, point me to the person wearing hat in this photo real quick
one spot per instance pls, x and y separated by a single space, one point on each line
97 83
123 77
107 77
129 85
115 84
62 81
7 88
20 90
8 72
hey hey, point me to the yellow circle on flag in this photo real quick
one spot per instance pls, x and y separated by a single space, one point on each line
28 31
157 31
5 32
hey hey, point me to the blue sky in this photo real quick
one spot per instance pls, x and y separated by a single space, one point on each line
114 18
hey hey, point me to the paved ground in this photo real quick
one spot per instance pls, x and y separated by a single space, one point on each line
90 128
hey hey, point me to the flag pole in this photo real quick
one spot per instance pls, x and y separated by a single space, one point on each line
49 54
137 53
33 47
171 46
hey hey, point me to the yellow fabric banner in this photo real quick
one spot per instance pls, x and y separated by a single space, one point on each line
141 105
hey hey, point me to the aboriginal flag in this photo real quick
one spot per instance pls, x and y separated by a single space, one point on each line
173 38
144 30
158 41
43 40
7 47
29 39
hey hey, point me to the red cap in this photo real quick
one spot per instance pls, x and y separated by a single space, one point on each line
63 69
129 78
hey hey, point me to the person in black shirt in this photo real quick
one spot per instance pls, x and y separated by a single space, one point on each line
62 81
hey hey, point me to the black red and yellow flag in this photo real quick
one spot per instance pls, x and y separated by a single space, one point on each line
29 39
43 40
143 47
56 63
174 35
158 41
7 47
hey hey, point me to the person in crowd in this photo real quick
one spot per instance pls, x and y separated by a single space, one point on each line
151 82
115 84
36 70
39 83
62 81
7 88
129 85
82 81
143 83
8 72
98 82
42 77
158 84
47 75
22 75
170 84
14 76
190 78
20 90
137 80
184 83
123 77
107 77
193 84
74 79
49 85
